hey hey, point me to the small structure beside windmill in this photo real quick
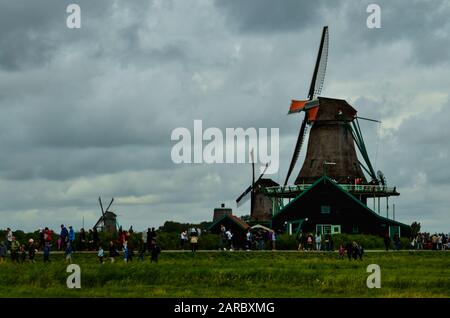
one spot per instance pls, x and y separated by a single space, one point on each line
108 220
224 217
331 193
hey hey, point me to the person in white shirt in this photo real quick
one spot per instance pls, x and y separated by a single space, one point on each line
229 239
183 239
9 238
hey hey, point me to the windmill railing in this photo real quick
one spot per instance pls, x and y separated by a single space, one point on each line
292 191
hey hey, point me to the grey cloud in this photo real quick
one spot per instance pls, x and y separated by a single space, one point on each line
423 24
262 16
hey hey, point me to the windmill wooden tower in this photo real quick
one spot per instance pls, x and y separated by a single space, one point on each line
331 191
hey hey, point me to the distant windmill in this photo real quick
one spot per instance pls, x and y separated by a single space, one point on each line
249 193
108 221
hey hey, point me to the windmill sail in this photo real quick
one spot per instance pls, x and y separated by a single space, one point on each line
320 67
297 149
314 90
101 207
244 196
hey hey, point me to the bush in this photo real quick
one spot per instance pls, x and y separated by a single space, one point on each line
286 242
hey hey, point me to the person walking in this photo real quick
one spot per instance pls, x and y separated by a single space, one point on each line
71 236
248 240
273 240
64 237
112 252
41 239
341 251
48 244
318 241
387 241
194 242
31 250
100 255
141 249
183 239
125 251
90 240
223 238
82 240
309 242
397 242
23 253
152 238
3 251
299 240
155 253
149 239
229 236
349 249
68 253
9 238
357 251
15 246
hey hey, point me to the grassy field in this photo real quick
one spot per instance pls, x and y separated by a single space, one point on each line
233 274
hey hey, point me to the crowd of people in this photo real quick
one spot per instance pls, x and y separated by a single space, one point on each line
192 237
254 239
318 242
427 241
68 241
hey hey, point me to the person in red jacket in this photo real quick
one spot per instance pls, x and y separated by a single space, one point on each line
48 244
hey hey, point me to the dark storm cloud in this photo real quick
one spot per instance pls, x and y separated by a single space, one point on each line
33 32
423 24
262 16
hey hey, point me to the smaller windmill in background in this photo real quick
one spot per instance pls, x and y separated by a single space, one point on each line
260 204
108 221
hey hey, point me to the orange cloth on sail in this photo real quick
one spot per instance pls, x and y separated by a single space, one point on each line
299 105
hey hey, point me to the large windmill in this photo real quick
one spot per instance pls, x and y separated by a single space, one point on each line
334 130
331 193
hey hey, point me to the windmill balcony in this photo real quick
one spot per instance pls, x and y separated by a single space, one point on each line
292 191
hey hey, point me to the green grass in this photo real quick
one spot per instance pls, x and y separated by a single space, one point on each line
232 274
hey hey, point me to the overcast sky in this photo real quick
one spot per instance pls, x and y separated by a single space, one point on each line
88 112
